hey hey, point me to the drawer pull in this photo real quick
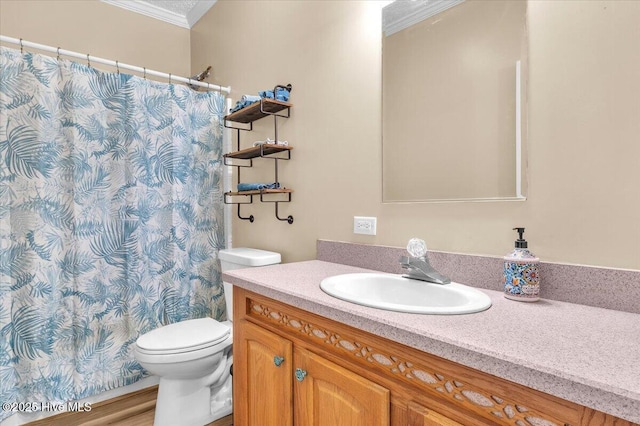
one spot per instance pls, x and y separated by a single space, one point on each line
278 360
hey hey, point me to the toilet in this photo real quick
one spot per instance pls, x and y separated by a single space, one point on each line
193 358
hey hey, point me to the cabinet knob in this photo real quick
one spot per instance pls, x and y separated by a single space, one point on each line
300 374
278 360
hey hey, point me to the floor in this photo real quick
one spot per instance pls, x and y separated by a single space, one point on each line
146 419
134 409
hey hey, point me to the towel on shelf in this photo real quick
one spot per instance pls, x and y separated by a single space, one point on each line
250 98
281 94
257 186
242 104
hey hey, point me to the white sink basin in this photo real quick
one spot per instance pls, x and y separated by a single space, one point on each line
395 293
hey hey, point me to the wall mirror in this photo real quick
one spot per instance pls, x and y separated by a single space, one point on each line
454 77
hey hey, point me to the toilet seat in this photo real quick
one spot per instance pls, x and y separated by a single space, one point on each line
183 337
158 357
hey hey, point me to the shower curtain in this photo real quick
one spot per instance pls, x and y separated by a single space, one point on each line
110 222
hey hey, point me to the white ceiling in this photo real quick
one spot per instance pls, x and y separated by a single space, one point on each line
184 13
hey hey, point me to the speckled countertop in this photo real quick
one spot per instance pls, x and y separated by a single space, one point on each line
587 355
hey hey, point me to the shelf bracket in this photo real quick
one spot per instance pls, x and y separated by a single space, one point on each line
275 114
229 161
250 218
228 198
237 128
272 157
288 219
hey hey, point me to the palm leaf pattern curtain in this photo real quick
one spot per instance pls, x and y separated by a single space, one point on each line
110 221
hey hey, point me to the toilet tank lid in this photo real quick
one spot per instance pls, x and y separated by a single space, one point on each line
249 256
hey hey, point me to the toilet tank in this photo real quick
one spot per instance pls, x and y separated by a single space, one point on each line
239 258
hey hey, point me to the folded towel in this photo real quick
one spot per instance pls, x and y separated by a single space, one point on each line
246 100
281 94
242 104
257 186
250 98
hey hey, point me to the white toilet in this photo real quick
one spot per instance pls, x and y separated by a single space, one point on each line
193 358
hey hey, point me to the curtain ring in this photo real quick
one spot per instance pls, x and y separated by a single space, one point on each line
144 74
169 78
88 61
118 67
58 54
21 47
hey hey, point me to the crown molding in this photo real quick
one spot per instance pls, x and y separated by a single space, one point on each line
165 15
198 11
402 14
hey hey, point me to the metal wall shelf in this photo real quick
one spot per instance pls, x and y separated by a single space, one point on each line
247 115
258 110
260 191
264 151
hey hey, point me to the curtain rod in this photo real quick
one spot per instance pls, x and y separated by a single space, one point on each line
57 50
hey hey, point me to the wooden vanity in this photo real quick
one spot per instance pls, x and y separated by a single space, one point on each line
293 367
305 358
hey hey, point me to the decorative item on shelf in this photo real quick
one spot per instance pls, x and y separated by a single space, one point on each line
249 109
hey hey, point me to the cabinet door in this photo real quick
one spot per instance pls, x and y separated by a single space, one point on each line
421 416
329 395
262 377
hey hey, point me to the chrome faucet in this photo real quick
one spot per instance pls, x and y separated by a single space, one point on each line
418 265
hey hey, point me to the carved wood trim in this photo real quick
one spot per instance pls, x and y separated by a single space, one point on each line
497 408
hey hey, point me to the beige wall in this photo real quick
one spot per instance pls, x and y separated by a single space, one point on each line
583 201
90 26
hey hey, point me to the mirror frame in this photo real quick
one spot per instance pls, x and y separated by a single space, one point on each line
399 15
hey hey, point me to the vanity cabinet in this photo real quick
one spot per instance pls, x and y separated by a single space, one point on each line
294 367
277 383
262 377
327 394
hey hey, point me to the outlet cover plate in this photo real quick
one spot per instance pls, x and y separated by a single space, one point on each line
364 225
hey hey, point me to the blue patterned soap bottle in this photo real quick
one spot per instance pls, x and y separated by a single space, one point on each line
521 278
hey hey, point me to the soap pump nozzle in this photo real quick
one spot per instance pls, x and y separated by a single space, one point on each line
520 242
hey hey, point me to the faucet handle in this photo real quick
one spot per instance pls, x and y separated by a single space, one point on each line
417 247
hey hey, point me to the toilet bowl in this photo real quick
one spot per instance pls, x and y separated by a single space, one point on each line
193 358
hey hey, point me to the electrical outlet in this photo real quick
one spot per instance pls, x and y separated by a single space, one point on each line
364 225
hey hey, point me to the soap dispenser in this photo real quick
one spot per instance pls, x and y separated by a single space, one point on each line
521 278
